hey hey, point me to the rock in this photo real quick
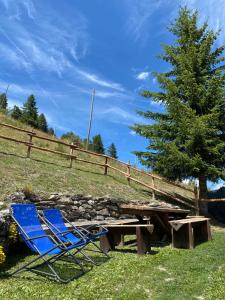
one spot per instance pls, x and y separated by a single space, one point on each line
103 212
74 207
17 197
86 206
4 212
65 200
81 209
91 202
99 218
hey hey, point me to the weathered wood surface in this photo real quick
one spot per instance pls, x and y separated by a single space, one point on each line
135 209
116 233
189 232
157 216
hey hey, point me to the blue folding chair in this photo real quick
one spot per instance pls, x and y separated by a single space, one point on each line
56 222
49 250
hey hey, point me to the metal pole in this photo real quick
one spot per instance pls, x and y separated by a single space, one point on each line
90 119
6 91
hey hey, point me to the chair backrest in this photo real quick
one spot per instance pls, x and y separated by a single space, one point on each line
56 222
29 226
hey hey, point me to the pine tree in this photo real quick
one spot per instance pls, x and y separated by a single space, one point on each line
51 131
3 102
16 113
112 152
30 112
42 123
187 140
98 144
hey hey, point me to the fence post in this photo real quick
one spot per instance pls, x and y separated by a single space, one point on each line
153 191
196 199
128 172
71 153
106 165
30 142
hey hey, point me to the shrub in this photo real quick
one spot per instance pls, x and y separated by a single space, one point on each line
27 190
2 255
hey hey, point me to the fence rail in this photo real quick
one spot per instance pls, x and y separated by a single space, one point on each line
191 202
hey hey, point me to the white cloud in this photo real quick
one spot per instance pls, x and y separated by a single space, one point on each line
132 133
143 76
154 80
117 114
15 8
99 81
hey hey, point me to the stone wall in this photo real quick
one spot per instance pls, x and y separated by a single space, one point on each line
76 207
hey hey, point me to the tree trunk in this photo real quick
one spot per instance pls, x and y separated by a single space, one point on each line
203 205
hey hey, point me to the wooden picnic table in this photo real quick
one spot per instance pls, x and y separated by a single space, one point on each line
158 216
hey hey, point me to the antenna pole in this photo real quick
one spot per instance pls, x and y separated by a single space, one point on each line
90 118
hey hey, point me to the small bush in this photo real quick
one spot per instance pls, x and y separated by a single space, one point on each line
2 255
28 190
12 233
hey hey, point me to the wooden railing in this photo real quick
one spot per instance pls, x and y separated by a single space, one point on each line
107 164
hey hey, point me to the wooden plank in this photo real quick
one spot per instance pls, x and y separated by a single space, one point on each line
213 200
189 220
123 221
16 128
14 140
146 208
164 179
149 226
163 193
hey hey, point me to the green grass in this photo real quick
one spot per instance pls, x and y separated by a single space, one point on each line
168 274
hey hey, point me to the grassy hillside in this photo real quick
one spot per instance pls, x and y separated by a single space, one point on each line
46 172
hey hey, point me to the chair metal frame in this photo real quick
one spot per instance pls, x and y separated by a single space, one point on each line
81 231
65 252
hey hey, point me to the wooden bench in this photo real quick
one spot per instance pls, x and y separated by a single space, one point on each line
187 233
118 230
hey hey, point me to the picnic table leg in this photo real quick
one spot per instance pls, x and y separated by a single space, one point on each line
183 237
143 241
122 242
109 241
202 232
105 243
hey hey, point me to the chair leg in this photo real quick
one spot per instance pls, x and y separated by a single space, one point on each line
49 262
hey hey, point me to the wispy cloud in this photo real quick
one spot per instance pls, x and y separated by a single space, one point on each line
139 16
99 81
15 8
142 75
119 115
47 46
104 93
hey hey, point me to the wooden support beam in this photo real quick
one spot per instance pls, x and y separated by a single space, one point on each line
106 166
71 155
128 172
29 145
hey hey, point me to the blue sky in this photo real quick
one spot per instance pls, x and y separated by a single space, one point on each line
61 50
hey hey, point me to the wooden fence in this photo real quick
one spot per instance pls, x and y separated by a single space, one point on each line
107 163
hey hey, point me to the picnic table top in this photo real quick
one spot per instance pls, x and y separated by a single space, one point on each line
130 208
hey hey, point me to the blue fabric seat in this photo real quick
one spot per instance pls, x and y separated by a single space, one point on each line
57 224
48 248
